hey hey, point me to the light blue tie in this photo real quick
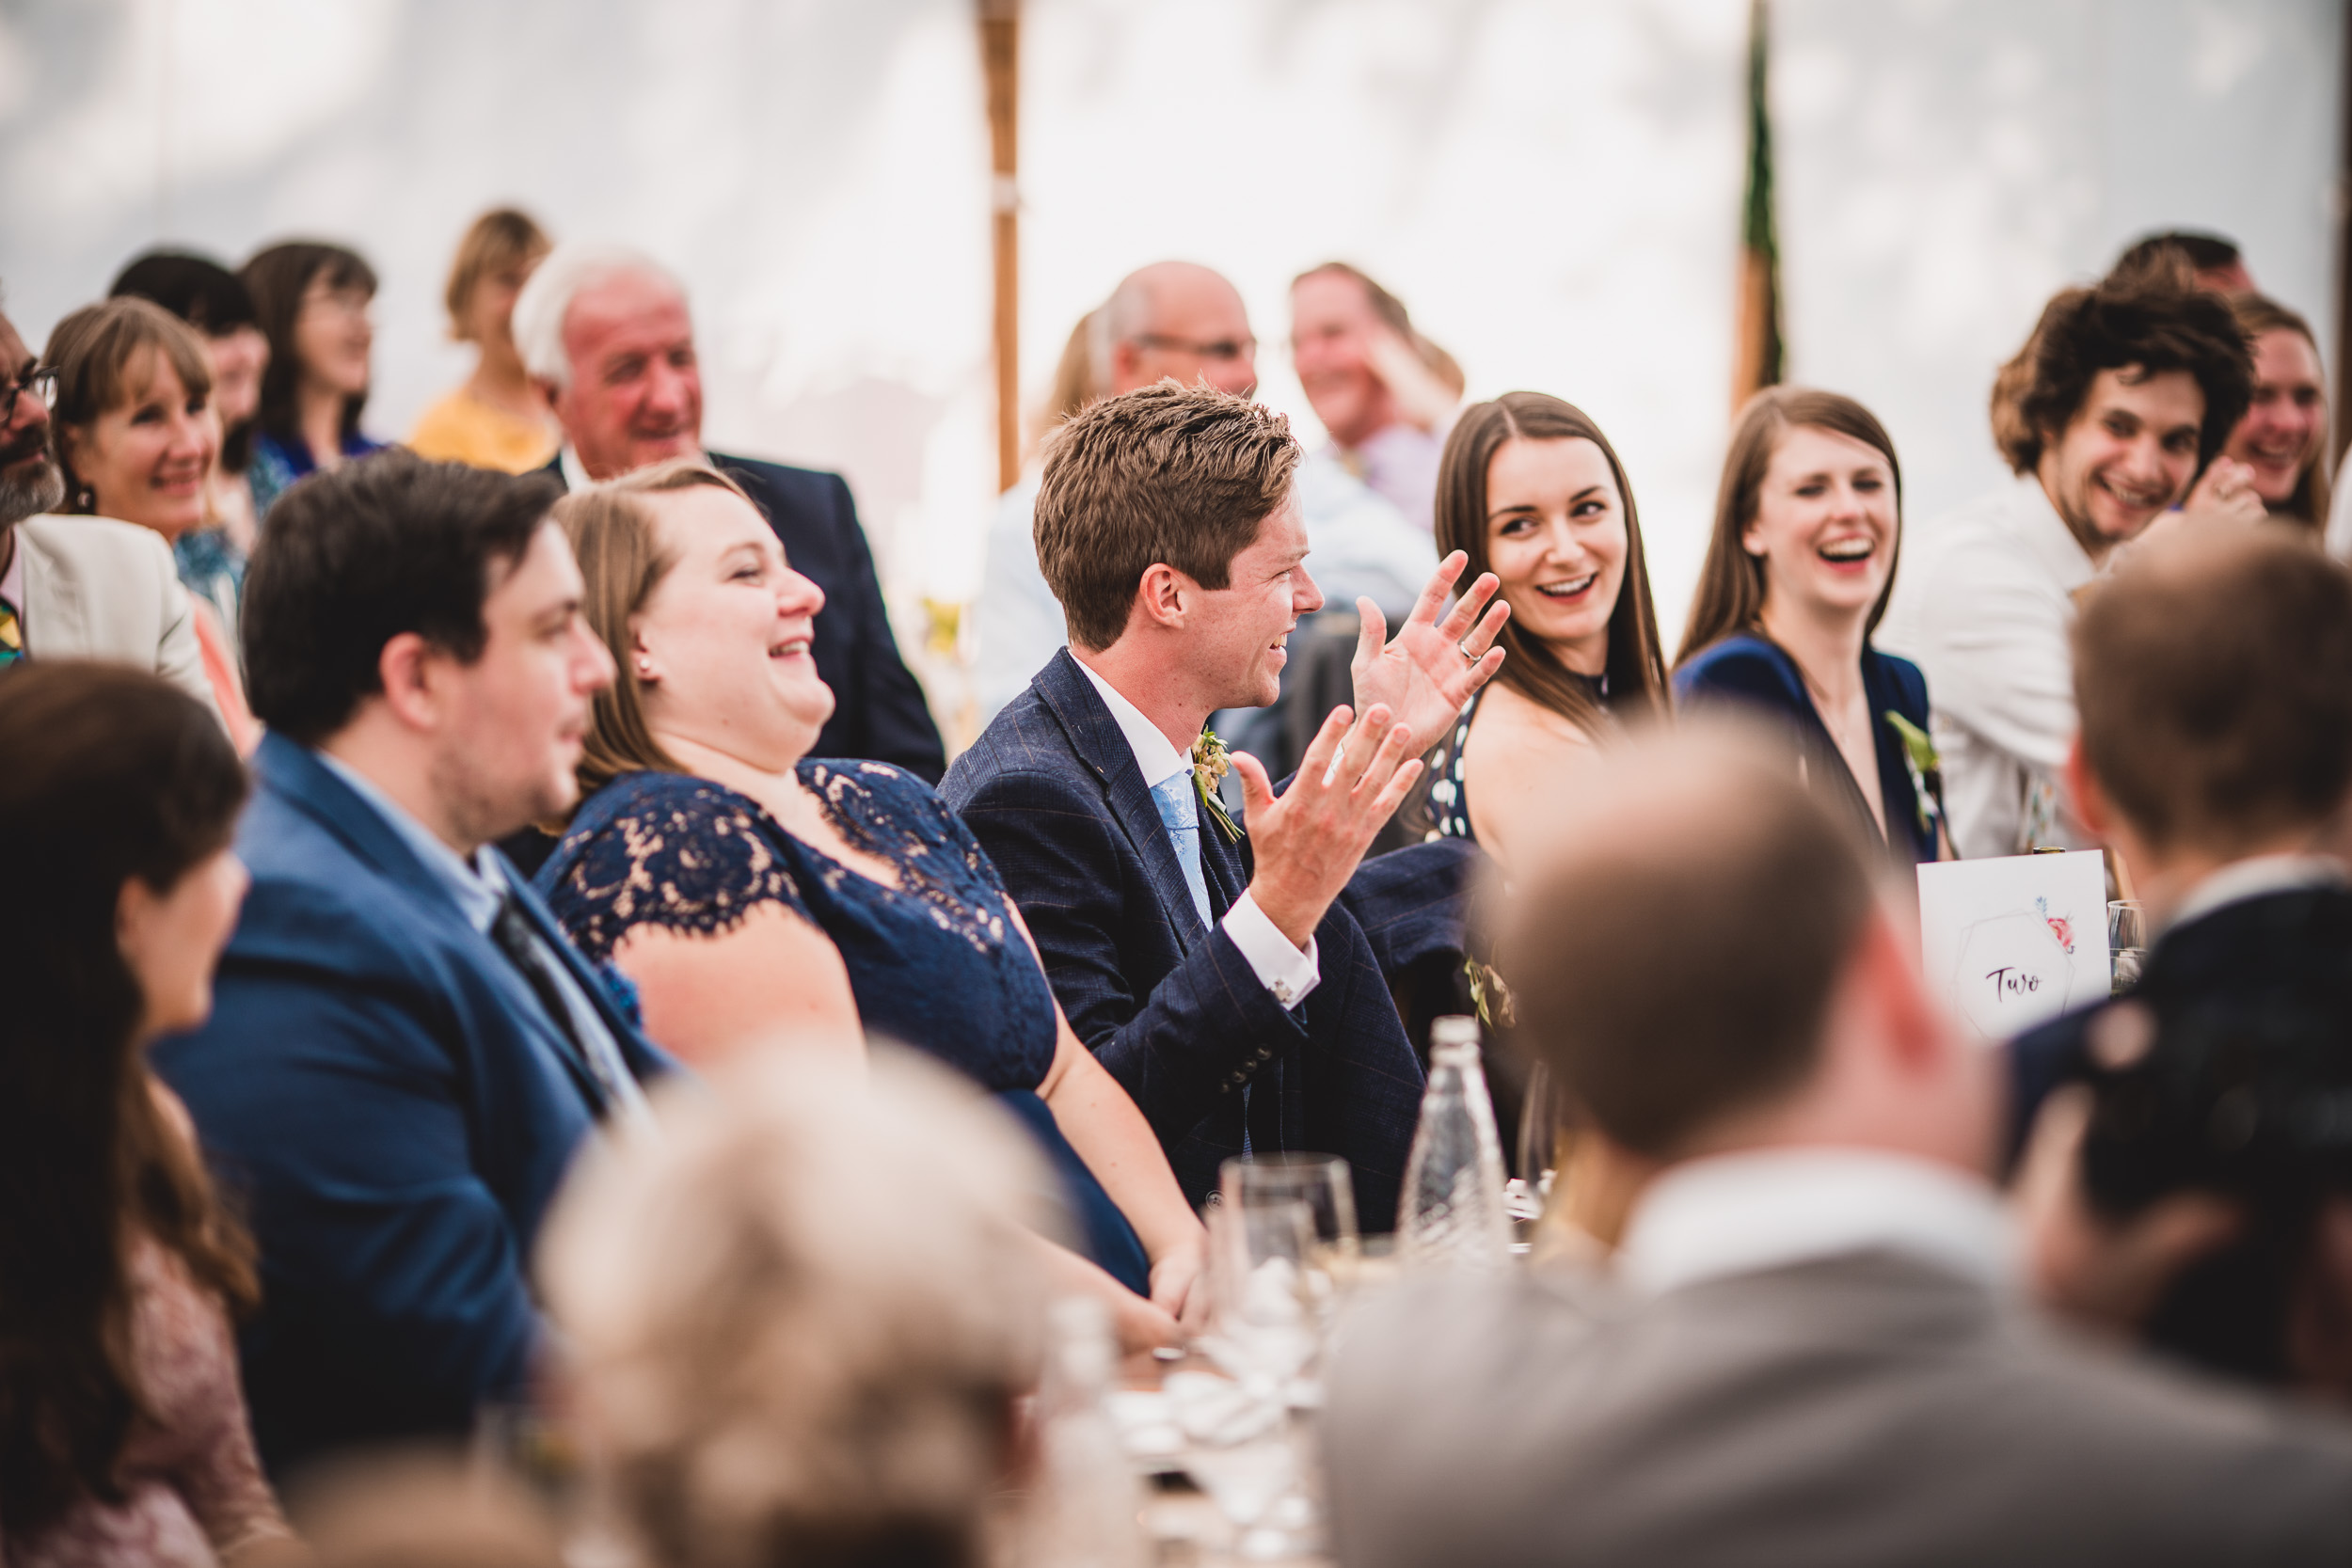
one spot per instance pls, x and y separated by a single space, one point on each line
1180 814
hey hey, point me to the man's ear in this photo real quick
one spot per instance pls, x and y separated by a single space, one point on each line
405 667
1884 974
1164 597
2090 802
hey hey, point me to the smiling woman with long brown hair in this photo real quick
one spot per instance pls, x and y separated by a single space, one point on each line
1531 490
124 1436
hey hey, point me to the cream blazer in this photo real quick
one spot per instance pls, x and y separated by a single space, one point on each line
95 588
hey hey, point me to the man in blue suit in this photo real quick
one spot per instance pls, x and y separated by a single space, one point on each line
404 1052
607 336
1212 971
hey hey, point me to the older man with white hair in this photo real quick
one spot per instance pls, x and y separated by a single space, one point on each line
607 337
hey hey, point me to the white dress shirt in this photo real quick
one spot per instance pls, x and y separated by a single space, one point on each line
1742 1214
1983 603
1282 969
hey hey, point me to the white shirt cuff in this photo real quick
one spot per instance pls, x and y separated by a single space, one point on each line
1282 969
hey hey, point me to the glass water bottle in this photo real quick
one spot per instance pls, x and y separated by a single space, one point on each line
1453 1214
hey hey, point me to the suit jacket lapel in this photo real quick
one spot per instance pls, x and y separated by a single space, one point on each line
56 621
1095 736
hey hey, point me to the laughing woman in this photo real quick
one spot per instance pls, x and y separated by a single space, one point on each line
1808 521
755 894
1531 490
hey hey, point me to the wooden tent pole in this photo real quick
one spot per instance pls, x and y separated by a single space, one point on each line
1000 53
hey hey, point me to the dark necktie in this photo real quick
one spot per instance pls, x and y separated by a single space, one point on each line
513 933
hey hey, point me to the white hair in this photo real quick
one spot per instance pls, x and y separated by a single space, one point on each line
555 282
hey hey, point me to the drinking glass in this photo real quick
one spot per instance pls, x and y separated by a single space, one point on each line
1525 1195
2127 943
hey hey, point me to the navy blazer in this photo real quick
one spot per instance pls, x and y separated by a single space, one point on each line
879 711
1753 672
2294 943
1175 1012
384 1092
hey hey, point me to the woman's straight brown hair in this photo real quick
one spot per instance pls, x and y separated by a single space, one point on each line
619 545
1636 671
2258 314
1730 595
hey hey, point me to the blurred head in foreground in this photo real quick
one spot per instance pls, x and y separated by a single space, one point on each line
1702 957
424 1510
799 1318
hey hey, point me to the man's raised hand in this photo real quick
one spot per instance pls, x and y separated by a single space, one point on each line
1431 666
1308 841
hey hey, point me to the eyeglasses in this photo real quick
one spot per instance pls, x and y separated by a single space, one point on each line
43 384
1223 350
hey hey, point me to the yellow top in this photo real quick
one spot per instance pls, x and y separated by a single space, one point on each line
461 428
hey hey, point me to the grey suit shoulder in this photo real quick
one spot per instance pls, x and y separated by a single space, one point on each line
96 587
1863 1410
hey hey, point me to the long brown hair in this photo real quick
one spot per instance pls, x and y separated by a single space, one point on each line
2258 314
112 774
1636 671
1730 595
621 561
278 277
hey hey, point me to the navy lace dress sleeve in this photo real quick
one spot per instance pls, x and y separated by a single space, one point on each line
934 962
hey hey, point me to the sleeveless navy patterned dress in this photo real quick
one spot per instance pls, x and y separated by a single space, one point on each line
935 963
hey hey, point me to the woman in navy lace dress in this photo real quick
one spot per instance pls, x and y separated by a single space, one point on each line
754 894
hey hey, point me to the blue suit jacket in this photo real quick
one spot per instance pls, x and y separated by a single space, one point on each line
879 711
1176 1014
384 1092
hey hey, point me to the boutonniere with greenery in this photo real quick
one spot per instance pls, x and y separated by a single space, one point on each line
1926 768
1211 762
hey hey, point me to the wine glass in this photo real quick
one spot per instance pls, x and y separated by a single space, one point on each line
2127 943
1525 1195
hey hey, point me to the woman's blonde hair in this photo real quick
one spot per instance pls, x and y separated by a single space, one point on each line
618 544
500 238
800 1318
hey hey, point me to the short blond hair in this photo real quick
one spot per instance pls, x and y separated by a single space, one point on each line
500 238
802 1314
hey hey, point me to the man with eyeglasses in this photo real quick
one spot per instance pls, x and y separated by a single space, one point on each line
78 587
1180 321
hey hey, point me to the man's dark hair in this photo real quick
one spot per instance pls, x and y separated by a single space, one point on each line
1674 958
197 290
1180 475
2150 326
2214 678
2153 254
352 559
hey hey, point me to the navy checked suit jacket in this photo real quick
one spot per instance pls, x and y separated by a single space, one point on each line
1175 1012
386 1095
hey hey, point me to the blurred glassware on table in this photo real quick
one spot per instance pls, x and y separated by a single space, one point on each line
2127 943
1323 1185
1541 1136
1088 1508
1452 1210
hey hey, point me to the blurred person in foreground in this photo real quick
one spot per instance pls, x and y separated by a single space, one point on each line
798 1321
1808 528
405 1052
123 1432
427 1509
1385 393
211 298
497 418
137 438
1181 322
313 301
1207 966
2215 681
1532 492
753 892
605 333
2122 395
1811 1350
78 587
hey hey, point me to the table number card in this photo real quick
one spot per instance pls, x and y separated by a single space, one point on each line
2013 941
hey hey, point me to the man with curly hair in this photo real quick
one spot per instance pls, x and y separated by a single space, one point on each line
2118 401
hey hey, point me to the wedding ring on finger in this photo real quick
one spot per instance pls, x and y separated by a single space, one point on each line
1463 648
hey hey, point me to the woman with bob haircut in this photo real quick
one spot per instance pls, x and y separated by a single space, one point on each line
312 299
497 419
1531 490
124 1436
753 893
136 437
1808 525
